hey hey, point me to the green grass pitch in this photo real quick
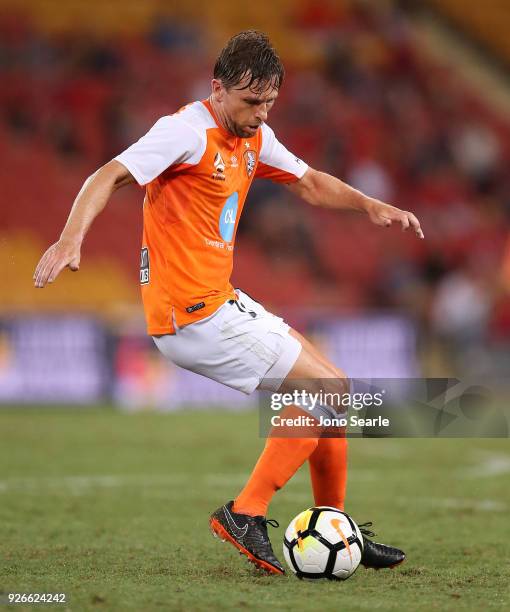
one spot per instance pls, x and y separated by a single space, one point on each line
112 509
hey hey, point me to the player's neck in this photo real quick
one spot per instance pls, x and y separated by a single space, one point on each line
220 115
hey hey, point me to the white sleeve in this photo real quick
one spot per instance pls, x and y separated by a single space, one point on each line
170 141
276 162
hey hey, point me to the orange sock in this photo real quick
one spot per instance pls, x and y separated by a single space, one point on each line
279 461
328 470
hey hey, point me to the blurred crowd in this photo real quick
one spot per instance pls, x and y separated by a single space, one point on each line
374 110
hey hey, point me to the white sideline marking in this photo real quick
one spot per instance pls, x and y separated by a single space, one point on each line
108 481
456 503
389 449
221 480
84 482
487 465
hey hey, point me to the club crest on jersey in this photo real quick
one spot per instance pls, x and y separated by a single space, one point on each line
250 161
219 167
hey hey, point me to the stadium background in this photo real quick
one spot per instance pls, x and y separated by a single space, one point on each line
407 101
380 95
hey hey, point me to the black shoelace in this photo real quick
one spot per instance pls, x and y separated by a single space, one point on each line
260 540
365 531
265 522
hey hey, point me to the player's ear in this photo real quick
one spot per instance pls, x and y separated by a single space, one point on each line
217 89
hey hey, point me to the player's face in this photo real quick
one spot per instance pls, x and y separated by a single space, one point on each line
244 110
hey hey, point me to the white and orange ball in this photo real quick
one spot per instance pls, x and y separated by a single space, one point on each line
323 542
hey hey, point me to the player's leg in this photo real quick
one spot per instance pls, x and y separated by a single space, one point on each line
328 462
282 457
243 522
246 526
312 372
328 472
242 345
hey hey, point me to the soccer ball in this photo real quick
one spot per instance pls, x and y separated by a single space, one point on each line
323 542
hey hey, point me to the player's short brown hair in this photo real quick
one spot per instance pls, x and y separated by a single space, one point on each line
249 53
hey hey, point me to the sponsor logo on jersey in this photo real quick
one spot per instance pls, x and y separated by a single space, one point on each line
250 161
219 167
234 161
228 217
144 266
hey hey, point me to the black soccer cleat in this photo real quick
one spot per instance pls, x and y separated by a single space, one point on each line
248 534
378 556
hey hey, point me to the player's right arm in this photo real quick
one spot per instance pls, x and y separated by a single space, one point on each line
89 202
170 141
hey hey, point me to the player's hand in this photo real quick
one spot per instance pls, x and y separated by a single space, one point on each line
61 254
385 215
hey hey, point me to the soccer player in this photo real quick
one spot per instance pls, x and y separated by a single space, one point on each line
197 166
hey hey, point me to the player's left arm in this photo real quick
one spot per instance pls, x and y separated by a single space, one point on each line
321 189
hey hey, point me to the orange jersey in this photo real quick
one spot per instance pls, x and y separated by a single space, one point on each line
197 176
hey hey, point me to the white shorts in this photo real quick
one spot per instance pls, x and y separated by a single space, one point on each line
241 345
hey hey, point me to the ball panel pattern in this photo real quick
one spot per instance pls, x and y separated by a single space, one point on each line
323 542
